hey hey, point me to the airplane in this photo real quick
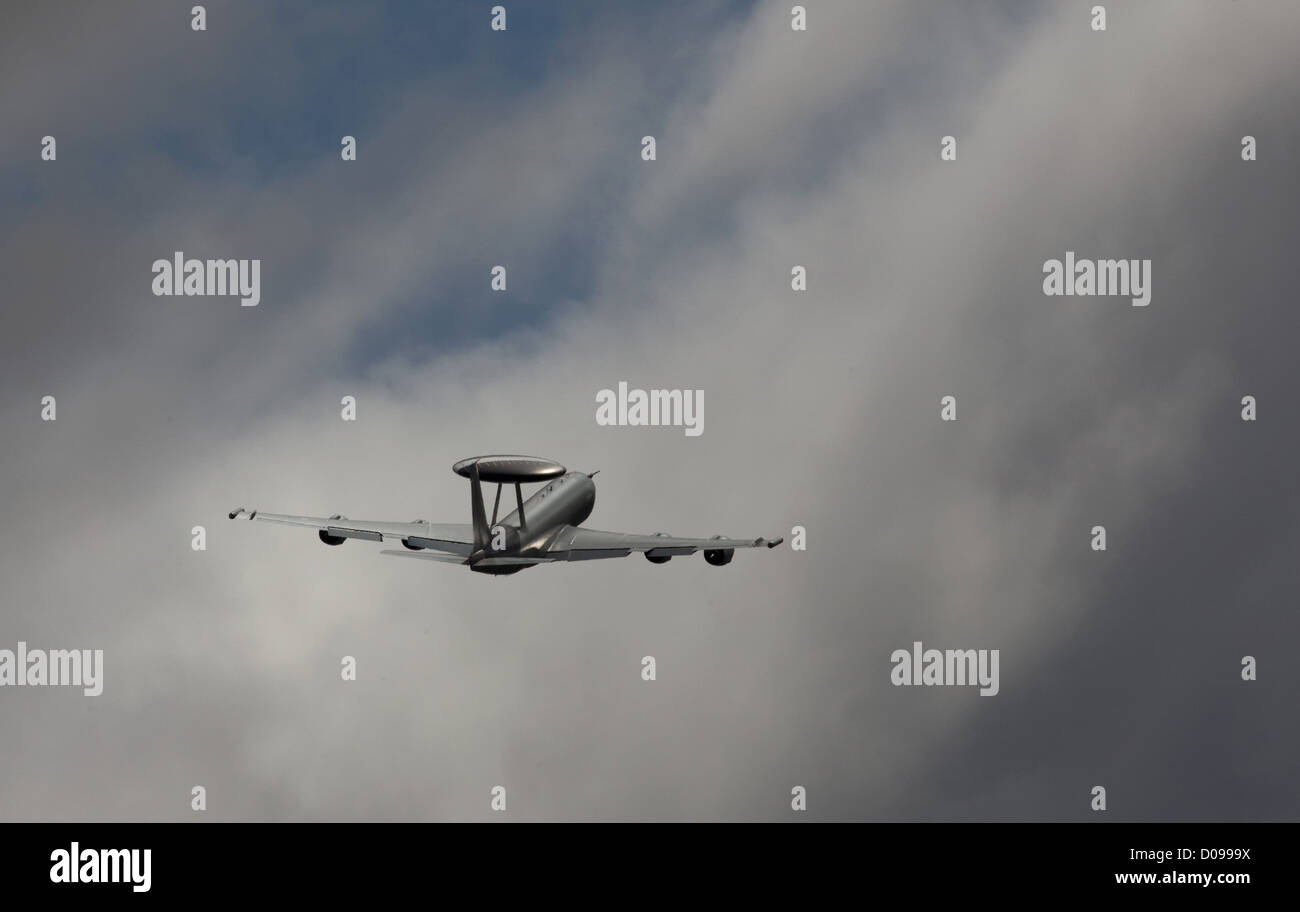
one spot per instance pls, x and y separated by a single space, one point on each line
542 530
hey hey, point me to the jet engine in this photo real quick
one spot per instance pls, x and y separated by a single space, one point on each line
719 557
332 539
658 558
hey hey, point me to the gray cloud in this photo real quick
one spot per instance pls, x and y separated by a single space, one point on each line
1118 669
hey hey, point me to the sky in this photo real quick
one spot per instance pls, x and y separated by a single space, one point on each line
774 148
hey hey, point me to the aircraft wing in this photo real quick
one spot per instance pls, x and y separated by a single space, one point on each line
451 538
576 543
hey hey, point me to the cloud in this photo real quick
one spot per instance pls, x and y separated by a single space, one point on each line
818 148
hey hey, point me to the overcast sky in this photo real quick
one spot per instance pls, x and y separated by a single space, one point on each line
775 147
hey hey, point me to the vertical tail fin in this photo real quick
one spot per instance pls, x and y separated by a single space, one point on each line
476 509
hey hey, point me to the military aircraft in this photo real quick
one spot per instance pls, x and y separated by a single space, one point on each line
542 530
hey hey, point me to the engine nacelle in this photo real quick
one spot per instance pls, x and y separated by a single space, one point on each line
719 557
658 558
410 547
331 539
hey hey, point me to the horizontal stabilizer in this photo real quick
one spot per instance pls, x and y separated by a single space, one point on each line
512 561
427 555
362 534
455 547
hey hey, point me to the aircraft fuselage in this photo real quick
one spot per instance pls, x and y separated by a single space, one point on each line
566 501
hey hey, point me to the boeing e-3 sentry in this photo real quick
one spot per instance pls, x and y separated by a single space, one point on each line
542 530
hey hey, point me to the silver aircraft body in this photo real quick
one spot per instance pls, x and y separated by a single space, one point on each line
543 529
